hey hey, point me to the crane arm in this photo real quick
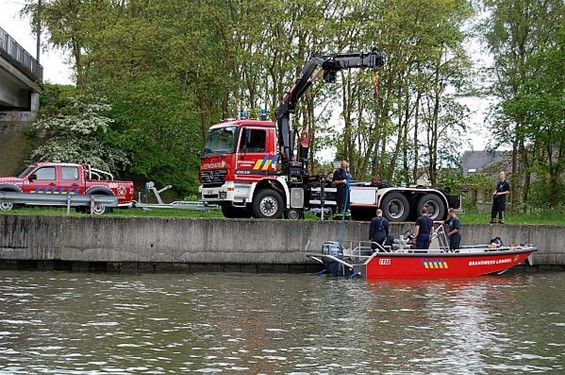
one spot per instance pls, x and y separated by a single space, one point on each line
327 66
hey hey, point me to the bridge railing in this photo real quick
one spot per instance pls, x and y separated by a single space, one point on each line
18 56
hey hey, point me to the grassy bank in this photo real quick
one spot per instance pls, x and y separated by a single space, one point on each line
547 217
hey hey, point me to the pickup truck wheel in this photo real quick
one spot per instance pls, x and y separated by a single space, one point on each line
6 206
395 207
98 209
268 204
434 204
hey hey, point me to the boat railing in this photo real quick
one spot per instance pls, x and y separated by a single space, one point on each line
361 250
442 238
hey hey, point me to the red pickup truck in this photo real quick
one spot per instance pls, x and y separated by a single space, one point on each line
67 178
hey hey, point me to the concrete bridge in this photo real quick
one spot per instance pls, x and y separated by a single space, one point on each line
20 84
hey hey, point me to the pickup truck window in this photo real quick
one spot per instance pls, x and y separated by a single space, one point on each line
25 171
69 173
45 173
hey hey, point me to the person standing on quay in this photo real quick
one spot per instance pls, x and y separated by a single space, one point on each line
340 181
499 199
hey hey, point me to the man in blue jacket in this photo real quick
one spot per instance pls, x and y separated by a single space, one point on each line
378 230
424 230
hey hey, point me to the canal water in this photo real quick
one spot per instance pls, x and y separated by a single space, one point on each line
83 323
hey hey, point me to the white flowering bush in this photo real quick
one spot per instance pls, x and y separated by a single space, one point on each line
79 134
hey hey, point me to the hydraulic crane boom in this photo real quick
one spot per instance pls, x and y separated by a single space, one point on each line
328 66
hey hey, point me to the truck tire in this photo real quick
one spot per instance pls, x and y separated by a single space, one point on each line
235 212
434 204
395 207
267 204
294 214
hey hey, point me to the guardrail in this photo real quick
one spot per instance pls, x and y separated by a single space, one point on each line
8 199
18 56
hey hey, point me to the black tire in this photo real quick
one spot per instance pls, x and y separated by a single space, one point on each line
395 207
435 205
268 204
235 212
294 214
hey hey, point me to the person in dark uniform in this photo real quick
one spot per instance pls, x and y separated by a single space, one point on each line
499 199
340 180
378 230
454 233
424 230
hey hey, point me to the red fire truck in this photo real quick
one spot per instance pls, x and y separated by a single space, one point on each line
251 168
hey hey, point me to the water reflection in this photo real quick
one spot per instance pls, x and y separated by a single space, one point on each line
97 323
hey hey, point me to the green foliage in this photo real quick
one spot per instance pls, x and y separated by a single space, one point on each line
70 130
172 68
152 122
527 41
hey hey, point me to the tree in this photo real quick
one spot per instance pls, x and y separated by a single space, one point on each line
78 133
520 34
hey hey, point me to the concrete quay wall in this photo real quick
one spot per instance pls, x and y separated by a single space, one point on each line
217 241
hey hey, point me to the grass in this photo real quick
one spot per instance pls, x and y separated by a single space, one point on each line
546 217
134 212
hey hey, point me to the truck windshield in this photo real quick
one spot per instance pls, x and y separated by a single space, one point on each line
25 171
221 140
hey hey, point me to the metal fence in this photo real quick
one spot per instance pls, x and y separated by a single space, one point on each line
19 57
67 200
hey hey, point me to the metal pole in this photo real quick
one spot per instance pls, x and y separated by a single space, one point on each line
38 46
322 201
68 205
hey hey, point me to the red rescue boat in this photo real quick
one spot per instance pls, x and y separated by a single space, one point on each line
401 261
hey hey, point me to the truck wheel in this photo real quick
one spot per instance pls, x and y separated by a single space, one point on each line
434 204
294 214
235 212
395 207
268 204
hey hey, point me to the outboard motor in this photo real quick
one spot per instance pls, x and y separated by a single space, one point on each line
334 249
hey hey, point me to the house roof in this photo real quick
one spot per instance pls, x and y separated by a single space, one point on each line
475 161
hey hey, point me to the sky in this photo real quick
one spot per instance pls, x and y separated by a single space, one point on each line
57 70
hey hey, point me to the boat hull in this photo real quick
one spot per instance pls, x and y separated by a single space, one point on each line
442 265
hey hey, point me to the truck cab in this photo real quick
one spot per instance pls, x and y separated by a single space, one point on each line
240 158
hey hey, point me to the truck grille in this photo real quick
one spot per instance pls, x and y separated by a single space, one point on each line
213 178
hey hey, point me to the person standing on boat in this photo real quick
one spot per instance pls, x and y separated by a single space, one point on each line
340 181
424 230
454 233
499 199
378 230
